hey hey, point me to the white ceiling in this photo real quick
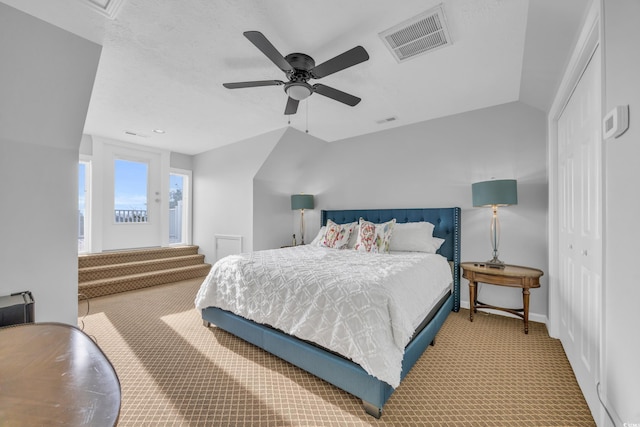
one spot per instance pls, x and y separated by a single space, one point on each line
163 63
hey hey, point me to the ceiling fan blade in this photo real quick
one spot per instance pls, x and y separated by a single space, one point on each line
292 106
344 60
240 85
265 46
336 94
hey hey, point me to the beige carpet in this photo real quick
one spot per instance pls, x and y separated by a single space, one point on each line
176 372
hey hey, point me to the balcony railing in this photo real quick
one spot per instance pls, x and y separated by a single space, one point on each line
140 216
130 215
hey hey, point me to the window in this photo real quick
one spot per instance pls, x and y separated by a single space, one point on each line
84 168
179 207
130 191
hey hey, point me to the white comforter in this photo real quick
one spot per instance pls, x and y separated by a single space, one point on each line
363 306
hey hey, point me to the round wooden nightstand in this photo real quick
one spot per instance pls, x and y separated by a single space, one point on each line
511 275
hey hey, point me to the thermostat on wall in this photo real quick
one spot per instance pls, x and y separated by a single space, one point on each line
616 122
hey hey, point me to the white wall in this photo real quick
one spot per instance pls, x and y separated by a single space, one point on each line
223 190
279 177
46 78
622 232
181 161
176 160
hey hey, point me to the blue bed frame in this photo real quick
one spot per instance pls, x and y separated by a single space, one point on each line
337 370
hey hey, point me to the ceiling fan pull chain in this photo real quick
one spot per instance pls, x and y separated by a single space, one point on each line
307 103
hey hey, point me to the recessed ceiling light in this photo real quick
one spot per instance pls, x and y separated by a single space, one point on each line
132 133
160 131
387 120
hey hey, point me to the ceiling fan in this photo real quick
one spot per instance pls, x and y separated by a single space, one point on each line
300 68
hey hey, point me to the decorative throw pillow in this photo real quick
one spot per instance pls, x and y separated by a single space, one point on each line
383 235
374 237
337 235
366 237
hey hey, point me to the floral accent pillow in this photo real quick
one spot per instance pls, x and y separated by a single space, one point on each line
337 235
366 237
374 238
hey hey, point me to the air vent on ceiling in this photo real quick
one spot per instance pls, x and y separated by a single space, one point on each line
420 34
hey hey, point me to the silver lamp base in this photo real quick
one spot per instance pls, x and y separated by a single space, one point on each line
495 238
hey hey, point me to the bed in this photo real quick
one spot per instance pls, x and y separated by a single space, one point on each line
349 373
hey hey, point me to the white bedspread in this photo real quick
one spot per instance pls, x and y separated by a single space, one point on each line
363 306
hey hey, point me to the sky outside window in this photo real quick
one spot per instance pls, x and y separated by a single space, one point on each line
82 170
130 185
175 182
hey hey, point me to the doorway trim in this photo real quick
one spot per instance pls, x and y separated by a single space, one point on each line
588 41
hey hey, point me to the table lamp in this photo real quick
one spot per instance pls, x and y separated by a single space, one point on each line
502 192
302 202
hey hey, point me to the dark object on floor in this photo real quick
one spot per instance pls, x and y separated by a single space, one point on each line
16 308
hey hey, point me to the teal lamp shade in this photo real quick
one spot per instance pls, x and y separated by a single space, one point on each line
301 201
501 192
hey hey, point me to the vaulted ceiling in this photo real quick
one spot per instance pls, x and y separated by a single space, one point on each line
163 64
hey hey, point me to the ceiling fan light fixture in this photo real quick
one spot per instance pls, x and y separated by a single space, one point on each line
298 90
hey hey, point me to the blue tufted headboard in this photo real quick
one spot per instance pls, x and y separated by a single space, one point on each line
446 223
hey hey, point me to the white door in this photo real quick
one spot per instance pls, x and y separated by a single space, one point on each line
180 207
580 228
132 204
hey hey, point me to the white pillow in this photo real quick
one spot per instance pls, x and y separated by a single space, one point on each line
353 238
319 237
414 237
436 242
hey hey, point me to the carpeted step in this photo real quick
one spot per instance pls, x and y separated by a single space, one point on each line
110 258
114 272
96 288
125 269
